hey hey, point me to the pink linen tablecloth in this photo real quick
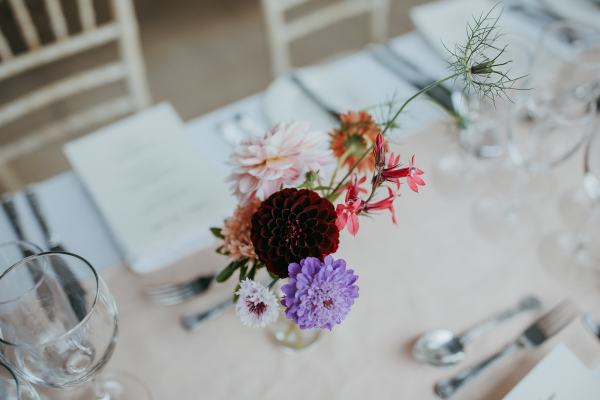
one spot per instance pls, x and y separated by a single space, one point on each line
432 270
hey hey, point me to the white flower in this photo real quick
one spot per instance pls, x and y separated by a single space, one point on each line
257 306
281 157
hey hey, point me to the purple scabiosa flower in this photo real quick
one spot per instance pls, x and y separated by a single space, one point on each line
319 294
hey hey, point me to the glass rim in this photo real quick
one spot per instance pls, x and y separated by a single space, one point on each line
24 245
14 376
88 314
27 243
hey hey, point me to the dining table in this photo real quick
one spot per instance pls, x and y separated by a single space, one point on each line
433 269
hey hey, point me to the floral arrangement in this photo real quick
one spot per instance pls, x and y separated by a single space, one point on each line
293 204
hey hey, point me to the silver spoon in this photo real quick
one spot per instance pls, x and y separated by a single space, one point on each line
442 347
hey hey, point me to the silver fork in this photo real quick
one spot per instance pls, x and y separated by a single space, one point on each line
537 333
171 294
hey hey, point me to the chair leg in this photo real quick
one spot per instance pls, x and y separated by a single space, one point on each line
9 181
380 20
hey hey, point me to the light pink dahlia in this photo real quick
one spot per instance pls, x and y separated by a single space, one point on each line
236 231
281 157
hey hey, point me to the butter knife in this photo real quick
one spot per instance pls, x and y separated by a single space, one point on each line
8 206
73 289
192 321
388 58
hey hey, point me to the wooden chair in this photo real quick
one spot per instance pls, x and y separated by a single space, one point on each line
282 32
122 29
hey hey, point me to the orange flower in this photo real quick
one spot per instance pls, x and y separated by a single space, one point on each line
236 231
357 133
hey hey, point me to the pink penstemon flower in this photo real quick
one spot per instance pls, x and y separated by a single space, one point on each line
379 152
385 171
392 170
384 204
414 177
392 173
347 213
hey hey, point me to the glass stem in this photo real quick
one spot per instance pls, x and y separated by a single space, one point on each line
100 392
523 178
589 228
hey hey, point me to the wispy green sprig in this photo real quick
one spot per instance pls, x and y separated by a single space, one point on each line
480 62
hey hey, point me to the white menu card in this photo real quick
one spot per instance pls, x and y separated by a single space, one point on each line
156 191
559 376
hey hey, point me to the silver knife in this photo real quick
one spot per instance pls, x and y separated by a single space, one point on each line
10 211
388 58
73 289
192 321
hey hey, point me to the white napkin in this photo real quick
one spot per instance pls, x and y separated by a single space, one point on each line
559 376
359 82
442 23
157 193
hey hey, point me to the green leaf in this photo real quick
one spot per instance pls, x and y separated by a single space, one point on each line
229 270
216 231
252 272
243 271
272 275
235 295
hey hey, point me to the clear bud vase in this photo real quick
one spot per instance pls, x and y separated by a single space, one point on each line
287 334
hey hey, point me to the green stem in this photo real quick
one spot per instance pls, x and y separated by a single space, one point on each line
389 124
341 161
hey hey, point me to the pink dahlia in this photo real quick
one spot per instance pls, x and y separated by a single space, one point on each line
236 231
261 166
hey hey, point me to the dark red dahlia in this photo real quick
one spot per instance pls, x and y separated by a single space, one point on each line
291 225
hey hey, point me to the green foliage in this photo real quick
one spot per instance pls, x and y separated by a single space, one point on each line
230 269
480 62
217 232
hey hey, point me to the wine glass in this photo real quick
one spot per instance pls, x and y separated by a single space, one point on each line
42 336
15 251
481 139
549 122
577 249
14 388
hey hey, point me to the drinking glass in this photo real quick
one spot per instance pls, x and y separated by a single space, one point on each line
549 121
14 388
481 138
15 251
42 337
576 250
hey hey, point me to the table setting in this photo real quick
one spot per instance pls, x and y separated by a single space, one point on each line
418 219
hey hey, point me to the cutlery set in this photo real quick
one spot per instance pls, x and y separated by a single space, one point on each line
66 277
443 348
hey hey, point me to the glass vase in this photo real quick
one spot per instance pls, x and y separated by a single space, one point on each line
288 335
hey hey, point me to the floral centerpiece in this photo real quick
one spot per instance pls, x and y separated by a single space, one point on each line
290 212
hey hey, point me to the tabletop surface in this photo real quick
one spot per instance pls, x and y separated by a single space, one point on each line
431 270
